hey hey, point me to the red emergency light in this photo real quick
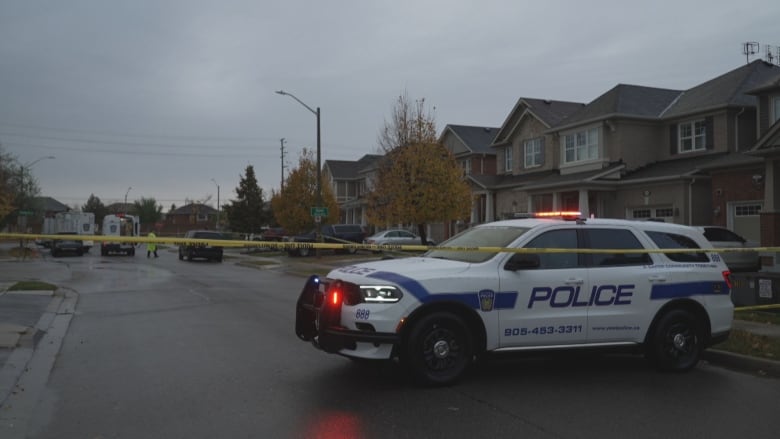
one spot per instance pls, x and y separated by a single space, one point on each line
559 214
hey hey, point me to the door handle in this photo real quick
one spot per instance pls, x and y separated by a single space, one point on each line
574 281
657 278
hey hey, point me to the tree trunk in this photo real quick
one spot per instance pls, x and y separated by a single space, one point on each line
421 232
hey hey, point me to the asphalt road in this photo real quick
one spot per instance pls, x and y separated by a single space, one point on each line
161 348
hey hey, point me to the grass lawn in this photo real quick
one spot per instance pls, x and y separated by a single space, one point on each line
745 343
32 285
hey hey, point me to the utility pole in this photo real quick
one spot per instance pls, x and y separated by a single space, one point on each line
282 157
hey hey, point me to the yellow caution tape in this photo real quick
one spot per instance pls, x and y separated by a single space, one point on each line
286 245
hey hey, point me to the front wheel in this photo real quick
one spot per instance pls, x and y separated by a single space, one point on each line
439 349
676 342
304 252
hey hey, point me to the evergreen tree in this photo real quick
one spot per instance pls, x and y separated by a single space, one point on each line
95 206
246 214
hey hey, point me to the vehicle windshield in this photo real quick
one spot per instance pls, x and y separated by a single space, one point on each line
498 236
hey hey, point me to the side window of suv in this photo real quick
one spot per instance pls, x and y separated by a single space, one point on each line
666 240
566 238
614 239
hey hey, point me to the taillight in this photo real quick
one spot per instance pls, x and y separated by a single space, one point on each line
727 278
335 296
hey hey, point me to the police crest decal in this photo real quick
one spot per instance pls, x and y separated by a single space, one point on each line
487 299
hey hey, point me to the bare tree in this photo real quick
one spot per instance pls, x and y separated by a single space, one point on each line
410 123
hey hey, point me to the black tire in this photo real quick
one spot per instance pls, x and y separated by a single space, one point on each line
438 350
181 256
676 342
219 258
304 252
132 252
189 256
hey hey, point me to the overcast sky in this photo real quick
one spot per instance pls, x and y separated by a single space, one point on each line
164 96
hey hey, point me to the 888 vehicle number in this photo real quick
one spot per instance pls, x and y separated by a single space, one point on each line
362 314
543 330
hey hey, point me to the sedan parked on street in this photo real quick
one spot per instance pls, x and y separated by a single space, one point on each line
395 237
721 237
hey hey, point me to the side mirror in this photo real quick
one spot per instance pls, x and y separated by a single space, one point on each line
522 261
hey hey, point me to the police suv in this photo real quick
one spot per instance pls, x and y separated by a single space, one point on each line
527 284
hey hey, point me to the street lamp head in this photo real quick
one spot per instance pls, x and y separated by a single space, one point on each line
280 92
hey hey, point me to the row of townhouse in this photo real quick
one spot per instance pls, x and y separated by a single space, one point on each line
706 155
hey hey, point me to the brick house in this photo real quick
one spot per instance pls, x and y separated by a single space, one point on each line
767 148
640 152
192 216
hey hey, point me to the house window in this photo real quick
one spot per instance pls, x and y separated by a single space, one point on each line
508 159
692 136
641 213
776 107
747 210
466 164
202 217
581 146
533 152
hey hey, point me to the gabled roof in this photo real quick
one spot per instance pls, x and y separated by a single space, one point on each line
476 139
729 89
49 204
679 168
350 169
608 174
769 143
547 111
550 112
194 209
626 101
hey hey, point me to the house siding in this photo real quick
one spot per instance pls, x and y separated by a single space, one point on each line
645 142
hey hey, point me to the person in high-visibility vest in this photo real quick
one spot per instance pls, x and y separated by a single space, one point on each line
152 246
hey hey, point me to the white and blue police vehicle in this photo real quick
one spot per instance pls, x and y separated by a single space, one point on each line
524 285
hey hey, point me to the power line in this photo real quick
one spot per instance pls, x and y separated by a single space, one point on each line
253 152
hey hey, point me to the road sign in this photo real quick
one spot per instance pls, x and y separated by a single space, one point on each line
30 212
319 211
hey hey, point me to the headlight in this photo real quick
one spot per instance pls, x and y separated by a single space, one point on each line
380 294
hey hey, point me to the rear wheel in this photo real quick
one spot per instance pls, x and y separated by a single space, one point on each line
439 349
676 342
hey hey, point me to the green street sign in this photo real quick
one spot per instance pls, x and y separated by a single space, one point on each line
319 211
25 213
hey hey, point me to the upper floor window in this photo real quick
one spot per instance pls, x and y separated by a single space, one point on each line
508 158
776 107
692 135
466 165
581 146
533 152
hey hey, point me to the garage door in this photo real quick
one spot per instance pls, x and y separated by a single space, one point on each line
744 219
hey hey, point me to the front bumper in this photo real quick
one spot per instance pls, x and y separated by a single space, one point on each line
319 321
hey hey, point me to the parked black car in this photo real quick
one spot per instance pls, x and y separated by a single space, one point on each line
331 233
205 251
67 245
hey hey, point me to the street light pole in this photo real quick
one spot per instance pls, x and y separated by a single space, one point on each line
215 182
319 159
125 205
319 144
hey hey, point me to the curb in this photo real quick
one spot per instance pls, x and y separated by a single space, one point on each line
52 325
743 363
